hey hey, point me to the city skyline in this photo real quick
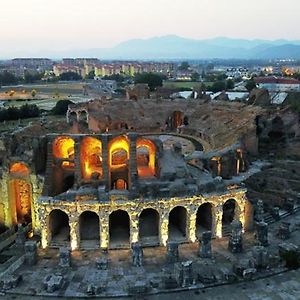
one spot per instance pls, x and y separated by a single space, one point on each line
33 26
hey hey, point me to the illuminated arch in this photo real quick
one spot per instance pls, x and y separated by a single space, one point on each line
119 145
91 157
63 147
19 169
145 157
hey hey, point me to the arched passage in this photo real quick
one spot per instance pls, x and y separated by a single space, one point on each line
204 218
228 215
91 158
177 119
118 162
20 191
59 228
119 229
177 224
149 227
145 158
89 230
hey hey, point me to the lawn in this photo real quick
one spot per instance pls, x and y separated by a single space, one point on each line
46 94
184 84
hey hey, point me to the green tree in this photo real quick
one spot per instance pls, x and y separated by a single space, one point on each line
184 66
61 107
8 78
91 75
195 76
69 76
218 86
153 80
250 85
229 84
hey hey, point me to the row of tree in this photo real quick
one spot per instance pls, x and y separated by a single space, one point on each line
24 112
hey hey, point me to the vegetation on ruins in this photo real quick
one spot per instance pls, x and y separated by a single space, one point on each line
250 85
61 107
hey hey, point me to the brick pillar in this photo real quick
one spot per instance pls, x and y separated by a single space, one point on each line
191 225
164 228
105 161
217 220
134 228
104 229
133 173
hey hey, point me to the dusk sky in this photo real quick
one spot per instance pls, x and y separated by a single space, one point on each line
68 24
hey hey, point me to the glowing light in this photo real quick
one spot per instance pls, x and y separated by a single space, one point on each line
145 158
19 169
91 157
119 143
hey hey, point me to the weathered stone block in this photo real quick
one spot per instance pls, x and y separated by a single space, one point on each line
30 253
53 283
172 252
101 263
10 282
64 257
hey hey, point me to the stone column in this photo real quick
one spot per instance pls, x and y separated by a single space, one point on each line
105 161
134 228
164 228
172 252
77 168
45 235
217 220
104 229
133 173
235 244
205 246
74 233
191 225
30 253
262 233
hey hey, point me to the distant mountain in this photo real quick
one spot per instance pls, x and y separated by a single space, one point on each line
171 46
175 47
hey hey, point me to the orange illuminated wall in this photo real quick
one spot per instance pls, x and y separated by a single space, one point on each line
20 192
145 157
118 147
63 148
91 157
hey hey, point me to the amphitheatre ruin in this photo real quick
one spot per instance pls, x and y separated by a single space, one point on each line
131 184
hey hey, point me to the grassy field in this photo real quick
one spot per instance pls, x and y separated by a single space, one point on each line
184 84
46 94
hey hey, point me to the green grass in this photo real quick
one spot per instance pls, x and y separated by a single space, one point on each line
184 84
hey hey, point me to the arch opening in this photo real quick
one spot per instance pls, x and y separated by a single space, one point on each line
89 230
59 228
204 219
228 215
63 149
91 158
146 151
149 227
119 162
177 224
119 229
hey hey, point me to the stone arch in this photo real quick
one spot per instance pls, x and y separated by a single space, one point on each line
119 160
89 231
120 184
149 227
91 158
63 148
59 228
177 119
119 229
204 218
83 116
72 117
20 193
229 212
177 230
145 155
